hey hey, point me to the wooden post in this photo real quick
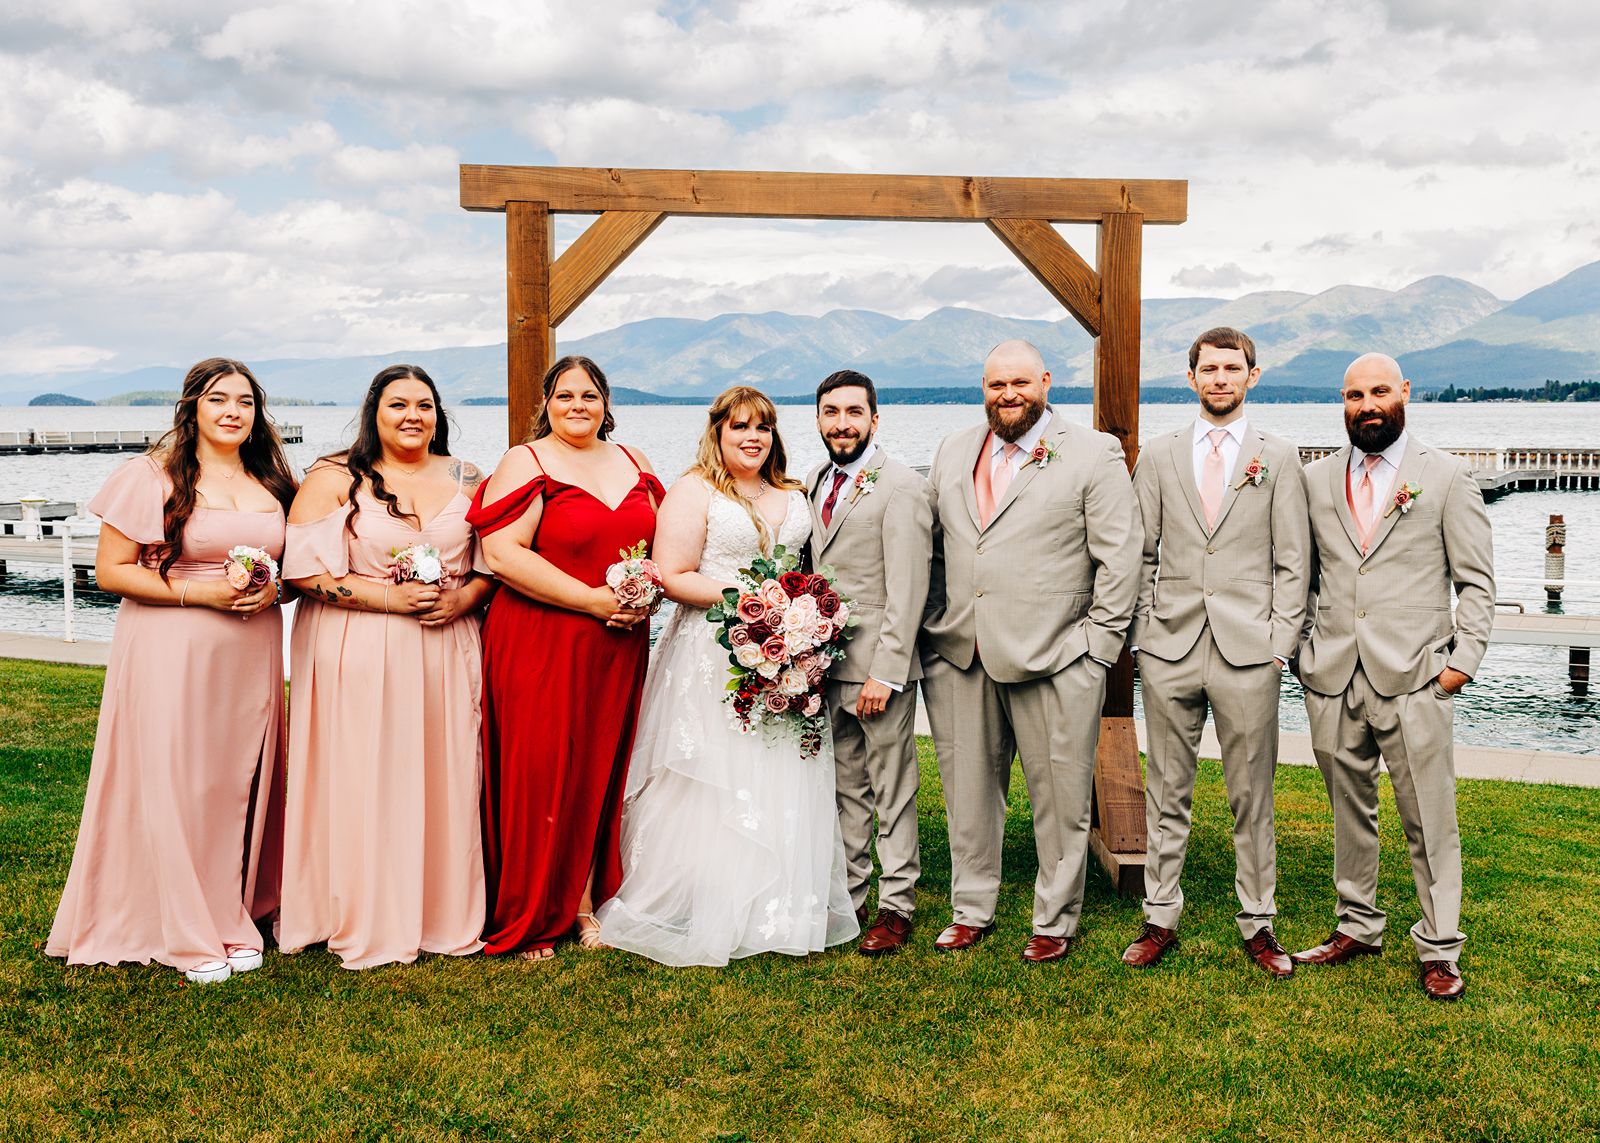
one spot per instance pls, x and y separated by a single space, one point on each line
1119 837
530 344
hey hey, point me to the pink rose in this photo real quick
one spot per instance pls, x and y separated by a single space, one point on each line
813 706
776 701
751 609
1039 454
773 595
1253 468
238 575
774 651
822 630
739 636
1402 498
633 592
650 569
773 618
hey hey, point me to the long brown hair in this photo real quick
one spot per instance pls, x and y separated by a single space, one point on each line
261 454
361 458
541 419
708 462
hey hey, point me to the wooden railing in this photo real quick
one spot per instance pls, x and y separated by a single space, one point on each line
1556 461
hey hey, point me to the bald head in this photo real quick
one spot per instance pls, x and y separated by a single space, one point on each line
1374 367
1014 358
1375 392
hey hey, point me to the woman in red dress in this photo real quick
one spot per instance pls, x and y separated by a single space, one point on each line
563 664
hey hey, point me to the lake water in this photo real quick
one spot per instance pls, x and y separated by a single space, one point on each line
1521 699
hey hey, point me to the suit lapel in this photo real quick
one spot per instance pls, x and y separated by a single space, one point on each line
1249 449
969 455
1338 476
1183 471
1029 470
1411 466
848 496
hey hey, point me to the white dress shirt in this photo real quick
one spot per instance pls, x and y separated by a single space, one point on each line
1383 473
851 471
1230 446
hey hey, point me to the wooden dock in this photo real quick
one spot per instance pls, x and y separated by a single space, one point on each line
34 442
1502 470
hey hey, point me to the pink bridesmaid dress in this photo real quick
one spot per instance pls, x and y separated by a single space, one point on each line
383 849
179 851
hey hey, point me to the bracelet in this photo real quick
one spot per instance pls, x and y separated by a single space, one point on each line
183 595
386 599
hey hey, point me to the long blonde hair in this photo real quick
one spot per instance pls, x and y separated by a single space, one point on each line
709 465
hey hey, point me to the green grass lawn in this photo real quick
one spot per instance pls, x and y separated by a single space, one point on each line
921 1046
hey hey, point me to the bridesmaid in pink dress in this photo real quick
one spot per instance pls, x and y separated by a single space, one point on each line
179 849
383 854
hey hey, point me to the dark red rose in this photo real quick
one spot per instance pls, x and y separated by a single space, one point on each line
817 586
794 583
760 632
828 605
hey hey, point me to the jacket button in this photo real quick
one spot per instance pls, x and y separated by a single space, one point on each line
1210 592
1359 614
1211 551
1359 571
980 549
980 593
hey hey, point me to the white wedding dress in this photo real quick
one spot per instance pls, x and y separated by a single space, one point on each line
730 841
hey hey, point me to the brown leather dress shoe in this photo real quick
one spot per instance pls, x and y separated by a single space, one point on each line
889 934
1441 980
1337 949
958 937
1042 949
1265 950
1153 944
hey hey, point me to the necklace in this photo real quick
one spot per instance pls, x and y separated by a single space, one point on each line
760 492
403 468
227 473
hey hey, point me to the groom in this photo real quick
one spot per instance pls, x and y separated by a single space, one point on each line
871 522
1037 551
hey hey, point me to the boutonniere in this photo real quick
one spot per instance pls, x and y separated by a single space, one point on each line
866 480
1404 498
1043 453
1254 473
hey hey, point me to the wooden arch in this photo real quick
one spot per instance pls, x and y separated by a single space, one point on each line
541 294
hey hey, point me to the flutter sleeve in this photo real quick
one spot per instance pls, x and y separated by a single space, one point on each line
487 518
318 548
654 486
133 501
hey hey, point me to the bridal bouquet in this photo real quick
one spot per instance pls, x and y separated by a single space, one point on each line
636 579
418 562
782 630
248 567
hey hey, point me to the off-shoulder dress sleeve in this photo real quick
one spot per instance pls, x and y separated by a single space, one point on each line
318 548
653 484
487 519
133 501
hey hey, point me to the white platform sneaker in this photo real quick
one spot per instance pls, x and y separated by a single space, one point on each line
208 972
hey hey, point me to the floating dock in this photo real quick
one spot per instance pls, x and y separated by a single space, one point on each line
33 442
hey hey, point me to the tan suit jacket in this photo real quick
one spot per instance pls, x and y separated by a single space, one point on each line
1246 577
879 545
1390 609
1055 574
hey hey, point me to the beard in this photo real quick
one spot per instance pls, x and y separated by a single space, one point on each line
847 450
1013 431
1220 405
1373 438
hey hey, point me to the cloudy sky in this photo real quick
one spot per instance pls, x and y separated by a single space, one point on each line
187 177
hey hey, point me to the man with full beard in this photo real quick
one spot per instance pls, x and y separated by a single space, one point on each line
870 522
1036 564
1394 524
1221 604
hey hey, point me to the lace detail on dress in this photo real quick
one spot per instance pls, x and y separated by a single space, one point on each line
731 539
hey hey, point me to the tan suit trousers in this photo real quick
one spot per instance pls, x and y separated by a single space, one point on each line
1243 701
876 775
1413 733
979 725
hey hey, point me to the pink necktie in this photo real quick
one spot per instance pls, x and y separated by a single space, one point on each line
1002 475
1363 499
839 475
1212 477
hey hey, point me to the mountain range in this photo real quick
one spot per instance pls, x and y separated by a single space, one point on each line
1444 331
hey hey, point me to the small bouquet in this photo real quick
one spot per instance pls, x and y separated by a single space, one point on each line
636 579
782 630
418 562
248 568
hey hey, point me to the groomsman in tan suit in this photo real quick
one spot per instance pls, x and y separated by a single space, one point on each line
1221 605
1036 569
871 522
1395 525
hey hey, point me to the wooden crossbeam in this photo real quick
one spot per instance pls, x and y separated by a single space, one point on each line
595 253
793 194
1056 264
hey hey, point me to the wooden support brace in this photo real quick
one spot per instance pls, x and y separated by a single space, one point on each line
1056 264
530 344
597 252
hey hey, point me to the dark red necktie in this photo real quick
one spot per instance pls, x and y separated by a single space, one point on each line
839 476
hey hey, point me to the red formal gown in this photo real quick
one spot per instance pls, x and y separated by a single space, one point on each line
561 699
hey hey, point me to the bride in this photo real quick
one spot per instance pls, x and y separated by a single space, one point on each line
730 841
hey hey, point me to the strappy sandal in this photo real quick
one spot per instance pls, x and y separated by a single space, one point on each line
537 956
589 935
